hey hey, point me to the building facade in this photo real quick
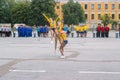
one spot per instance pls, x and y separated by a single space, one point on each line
94 9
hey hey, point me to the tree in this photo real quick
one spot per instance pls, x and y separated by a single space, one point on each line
39 7
106 19
114 23
73 13
5 10
20 13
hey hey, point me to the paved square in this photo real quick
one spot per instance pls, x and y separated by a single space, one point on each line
35 59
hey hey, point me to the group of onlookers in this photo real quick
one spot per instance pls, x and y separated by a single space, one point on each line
5 31
102 31
42 31
24 31
81 30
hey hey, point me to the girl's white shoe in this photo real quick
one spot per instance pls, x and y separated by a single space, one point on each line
62 57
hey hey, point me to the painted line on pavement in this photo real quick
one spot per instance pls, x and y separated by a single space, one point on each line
97 72
29 71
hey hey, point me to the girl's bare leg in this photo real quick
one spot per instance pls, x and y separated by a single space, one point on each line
52 34
62 48
55 43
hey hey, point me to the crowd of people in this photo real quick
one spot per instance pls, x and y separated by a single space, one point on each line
24 31
81 30
5 31
42 31
102 31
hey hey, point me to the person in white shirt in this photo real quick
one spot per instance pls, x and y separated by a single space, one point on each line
0 31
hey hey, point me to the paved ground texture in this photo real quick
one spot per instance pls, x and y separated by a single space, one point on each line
35 59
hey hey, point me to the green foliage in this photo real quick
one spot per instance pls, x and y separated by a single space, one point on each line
20 13
26 12
73 13
5 10
114 23
106 19
39 7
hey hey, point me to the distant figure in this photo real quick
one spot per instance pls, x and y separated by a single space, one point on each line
0 31
119 32
66 28
102 31
106 31
85 30
77 31
72 29
38 31
98 30
81 30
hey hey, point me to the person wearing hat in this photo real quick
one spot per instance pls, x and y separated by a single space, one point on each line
98 29
102 31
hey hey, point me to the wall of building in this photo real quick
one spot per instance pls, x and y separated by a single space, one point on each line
93 8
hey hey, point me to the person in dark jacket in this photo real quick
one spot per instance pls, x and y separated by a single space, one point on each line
119 32
102 31
106 31
98 29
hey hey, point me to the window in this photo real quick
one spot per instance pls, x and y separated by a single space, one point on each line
119 6
86 6
119 16
113 6
86 16
92 6
99 6
99 15
113 16
106 6
92 16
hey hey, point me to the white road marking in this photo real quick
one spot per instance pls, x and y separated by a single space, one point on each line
97 72
29 71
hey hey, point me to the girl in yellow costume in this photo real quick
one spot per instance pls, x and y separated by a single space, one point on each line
58 29
52 24
64 41
77 30
81 31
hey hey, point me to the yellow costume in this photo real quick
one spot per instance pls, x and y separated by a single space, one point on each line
52 23
85 28
77 28
81 29
63 35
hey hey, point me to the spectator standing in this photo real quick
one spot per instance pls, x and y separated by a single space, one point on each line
106 31
4 31
98 29
119 32
72 29
77 31
81 31
85 30
38 31
46 30
0 31
7 31
66 28
102 31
